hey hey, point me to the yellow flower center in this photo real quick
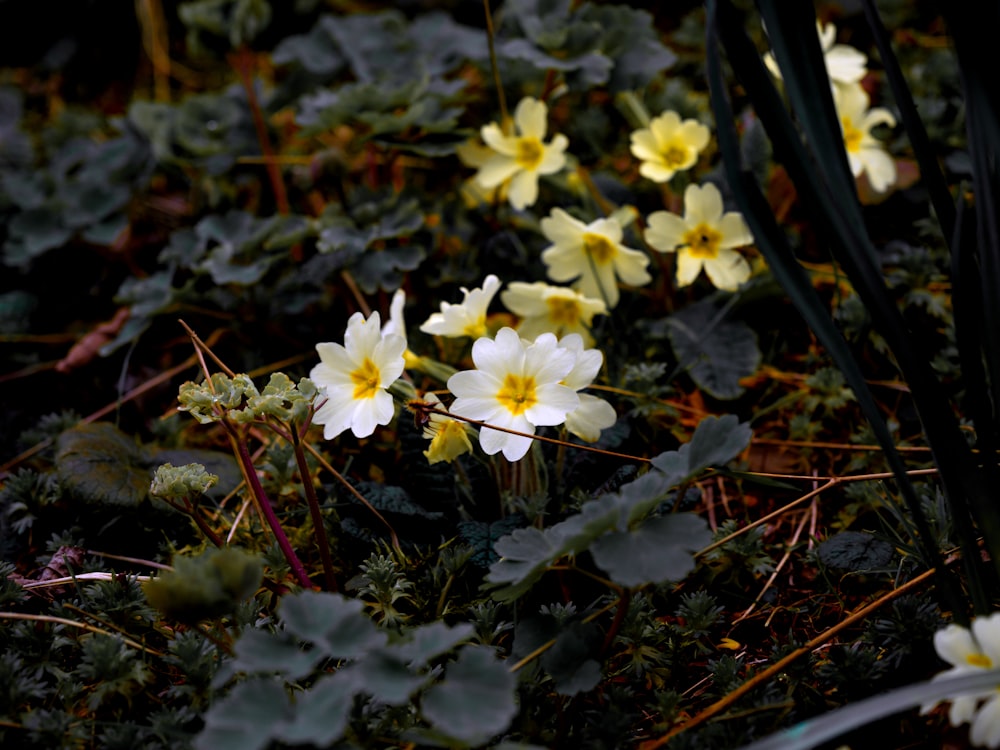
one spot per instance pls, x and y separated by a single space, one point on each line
529 153
476 329
703 241
852 136
599 247
366 380
563 311
675 157
979 660
517 394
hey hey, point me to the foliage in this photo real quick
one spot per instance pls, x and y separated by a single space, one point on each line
188 224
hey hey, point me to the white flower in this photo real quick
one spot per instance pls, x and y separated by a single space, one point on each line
844 64
449 437
353 378
593 255
703 238
864 152
521 158
555 309
971 651
593 414
668 146
467 318
396 325
517 386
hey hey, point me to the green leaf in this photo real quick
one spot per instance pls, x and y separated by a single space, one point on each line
223 465
717 352
658 550
482 536
101 464
387 678
392 499
428 641
716 441
476 699
259 651
248 718
334 624
855 551
320 713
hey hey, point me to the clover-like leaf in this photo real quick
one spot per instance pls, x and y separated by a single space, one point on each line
476 699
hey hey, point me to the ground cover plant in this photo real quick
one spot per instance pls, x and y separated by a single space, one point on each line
527 374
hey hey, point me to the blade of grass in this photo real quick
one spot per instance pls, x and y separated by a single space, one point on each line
726 23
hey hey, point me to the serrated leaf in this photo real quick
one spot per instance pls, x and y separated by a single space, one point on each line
247 718
717 353
855 551
476 699
223 465
658 550
101 464
259 651
392 499
321 712
482 537
334 624
387 678
570 660
716 441
428 641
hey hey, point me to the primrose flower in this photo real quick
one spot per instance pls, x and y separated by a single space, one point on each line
467 318
864 152
593 414
668 146
353 378
969 651
703 238
593 255
516 385
396 325
521 158
449 437
844 64
556 309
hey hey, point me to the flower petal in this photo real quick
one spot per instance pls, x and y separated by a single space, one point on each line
530 116
728 270
523 190
665 231
588 419
496 170
554 403
688 267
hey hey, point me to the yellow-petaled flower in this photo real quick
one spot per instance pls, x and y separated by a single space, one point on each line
555 309
522 157
517 386
353 378
467 318
449 437
668 146
593 255
865 153
703 238
969 652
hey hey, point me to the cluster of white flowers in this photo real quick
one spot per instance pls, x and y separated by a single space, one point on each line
969 651
532 376
846 68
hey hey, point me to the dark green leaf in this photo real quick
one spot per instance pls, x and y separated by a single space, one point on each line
259 651
387 678
334 624
855 551
717 353
428 641
247 718
321 712
101 464
476 699
716 441
481 536
657 551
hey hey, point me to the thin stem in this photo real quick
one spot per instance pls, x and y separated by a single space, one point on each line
501 98
264 505
319 526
